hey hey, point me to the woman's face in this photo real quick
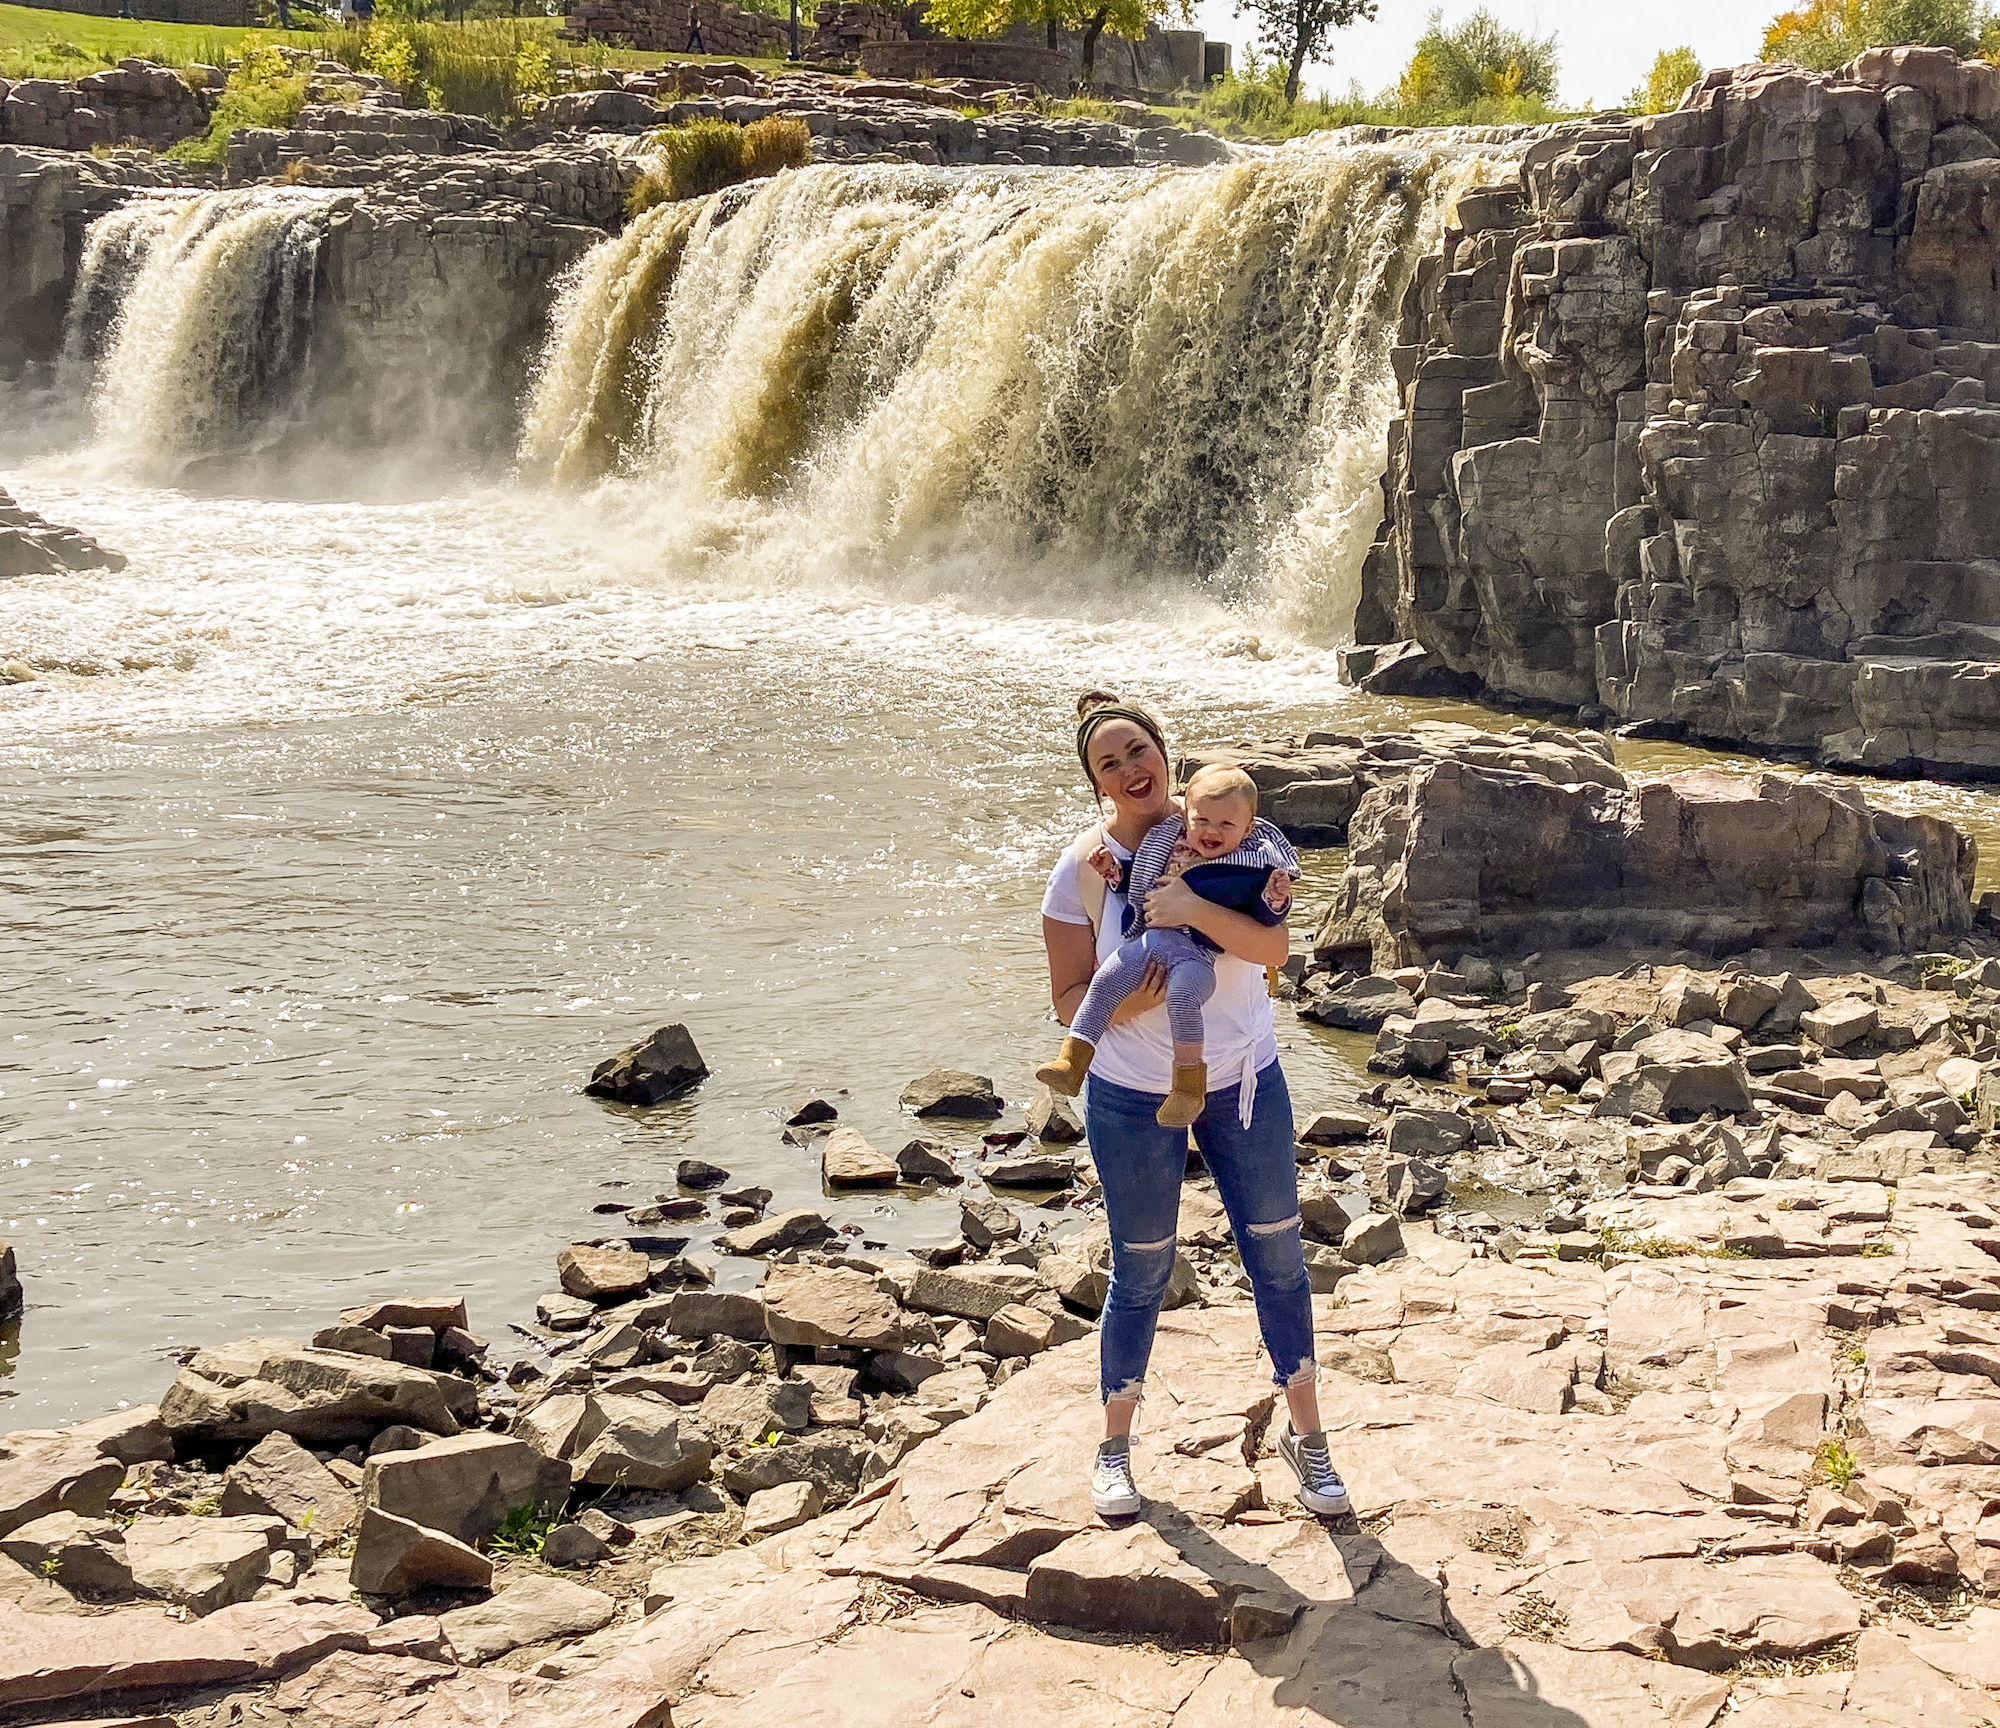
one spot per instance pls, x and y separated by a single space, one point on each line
1128 767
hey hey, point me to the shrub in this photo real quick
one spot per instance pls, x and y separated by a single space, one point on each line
774 143
263 90
1674 69
706 155
1836 1463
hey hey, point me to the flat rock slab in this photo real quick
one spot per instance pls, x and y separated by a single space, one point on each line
530 1612
412 1693
44 1657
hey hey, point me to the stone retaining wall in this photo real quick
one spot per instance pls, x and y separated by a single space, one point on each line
1007 62
231 14
662 26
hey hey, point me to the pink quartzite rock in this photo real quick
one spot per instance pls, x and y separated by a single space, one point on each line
44 1657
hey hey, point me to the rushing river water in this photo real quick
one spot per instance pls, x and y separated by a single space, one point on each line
340 838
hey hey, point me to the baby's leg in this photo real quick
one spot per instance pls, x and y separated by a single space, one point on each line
1116 979
1190 983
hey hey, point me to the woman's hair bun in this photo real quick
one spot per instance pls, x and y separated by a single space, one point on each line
1092 699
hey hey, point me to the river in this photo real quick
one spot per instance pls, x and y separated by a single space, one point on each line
345 829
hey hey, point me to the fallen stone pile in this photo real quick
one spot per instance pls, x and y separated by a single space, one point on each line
891 119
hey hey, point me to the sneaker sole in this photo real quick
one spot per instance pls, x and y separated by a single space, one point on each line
1123 1506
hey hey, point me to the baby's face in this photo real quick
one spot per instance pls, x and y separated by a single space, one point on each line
1217 823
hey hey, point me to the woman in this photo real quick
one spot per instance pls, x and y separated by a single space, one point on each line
1244 1130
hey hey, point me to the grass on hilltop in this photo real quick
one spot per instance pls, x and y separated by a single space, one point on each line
39 44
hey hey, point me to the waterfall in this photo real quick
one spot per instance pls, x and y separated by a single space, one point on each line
194 314
1021 380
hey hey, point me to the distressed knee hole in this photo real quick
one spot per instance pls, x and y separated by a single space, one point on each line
1148 1247
1277 1229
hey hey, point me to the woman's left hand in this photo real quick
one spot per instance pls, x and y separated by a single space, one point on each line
1173 906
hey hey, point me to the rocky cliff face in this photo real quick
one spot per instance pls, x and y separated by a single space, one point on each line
1696 425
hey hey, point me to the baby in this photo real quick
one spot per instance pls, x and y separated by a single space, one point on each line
1229 858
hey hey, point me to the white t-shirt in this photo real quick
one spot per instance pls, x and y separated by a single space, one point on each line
1239 1036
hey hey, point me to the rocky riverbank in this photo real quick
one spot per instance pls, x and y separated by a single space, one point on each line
1655 1302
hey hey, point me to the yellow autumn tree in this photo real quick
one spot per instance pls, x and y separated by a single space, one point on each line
1674 69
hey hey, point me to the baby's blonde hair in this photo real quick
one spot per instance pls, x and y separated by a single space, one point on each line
1222 780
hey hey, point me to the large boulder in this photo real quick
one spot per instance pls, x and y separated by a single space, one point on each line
643 1443
279 1478
831 1306
467 1485
531 1612
393 1556
259 1386
1677 1077
201 1564
83 1554
1464 859
651 1071
40 1474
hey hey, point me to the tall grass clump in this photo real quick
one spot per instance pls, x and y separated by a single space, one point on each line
262 90
704 156
492 67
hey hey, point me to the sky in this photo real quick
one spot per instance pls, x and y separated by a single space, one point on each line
1604 53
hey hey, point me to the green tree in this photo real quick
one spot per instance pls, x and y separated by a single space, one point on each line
1674 69
1824 34
1297 32
1129 18
1481 57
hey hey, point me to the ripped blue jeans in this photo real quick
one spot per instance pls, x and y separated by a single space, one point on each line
1256 1177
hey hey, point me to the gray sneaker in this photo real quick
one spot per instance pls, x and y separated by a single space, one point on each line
1112 1490
1320 1487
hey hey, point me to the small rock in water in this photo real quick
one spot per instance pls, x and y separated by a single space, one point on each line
952 1092
699 1173
847 1160
755 1198
1049 1170
927 1161
1053 1120
562 1312
809 1110
795 1229
652 1071
987 1222
602 1274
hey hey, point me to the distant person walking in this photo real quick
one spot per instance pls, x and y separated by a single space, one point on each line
1244 1129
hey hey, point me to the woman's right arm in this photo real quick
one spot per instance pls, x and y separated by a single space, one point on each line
1072 951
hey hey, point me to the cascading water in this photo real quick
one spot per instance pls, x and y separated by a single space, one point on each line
1011 381
194 313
